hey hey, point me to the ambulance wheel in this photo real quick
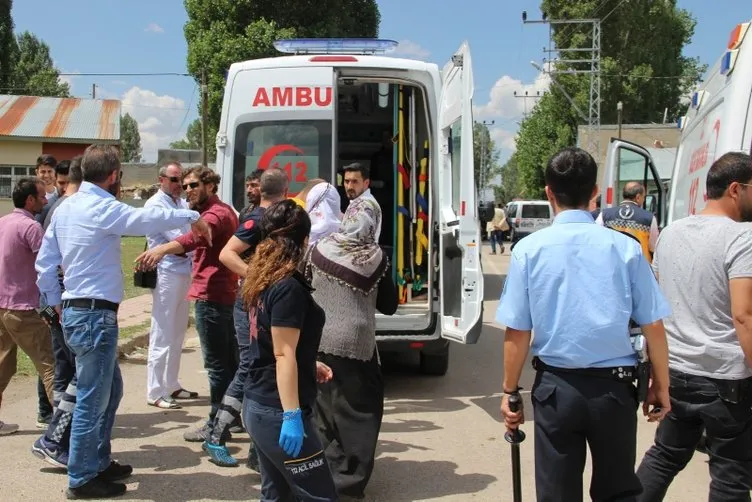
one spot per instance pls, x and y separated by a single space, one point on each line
434 364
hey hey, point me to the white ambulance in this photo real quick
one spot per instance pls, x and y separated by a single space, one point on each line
337 101
719 120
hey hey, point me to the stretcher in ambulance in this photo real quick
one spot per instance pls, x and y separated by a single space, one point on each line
719 120
338 101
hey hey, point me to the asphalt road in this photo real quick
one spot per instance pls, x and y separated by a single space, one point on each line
441 437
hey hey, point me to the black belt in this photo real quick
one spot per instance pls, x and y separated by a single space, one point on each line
91 304
625 374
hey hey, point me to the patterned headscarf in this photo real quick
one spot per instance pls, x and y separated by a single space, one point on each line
351 255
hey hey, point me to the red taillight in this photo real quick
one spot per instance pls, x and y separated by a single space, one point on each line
416 345
609 195
333 59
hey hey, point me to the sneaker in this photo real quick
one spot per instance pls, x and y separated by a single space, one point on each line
115 472
6 429
219 455
199 435
50 453
96 489
43 422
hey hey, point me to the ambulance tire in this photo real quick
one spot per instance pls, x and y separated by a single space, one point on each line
434 364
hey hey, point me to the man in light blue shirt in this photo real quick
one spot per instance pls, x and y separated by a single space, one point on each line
169 311
577 284
84 239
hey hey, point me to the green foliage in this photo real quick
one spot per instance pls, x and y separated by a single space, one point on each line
485 154
641 65
34 72
510 181
7 44
130 139
192 140
222 32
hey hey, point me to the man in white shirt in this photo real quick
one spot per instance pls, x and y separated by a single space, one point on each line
169 312
357 182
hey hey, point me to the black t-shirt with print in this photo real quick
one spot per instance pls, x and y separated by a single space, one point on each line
249 230
286 304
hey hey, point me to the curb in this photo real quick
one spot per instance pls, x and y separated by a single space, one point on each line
132 344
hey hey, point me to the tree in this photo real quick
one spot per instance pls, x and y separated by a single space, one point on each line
7 45
641 65
34 72
130 139
510 183
486 156
192 140
222 32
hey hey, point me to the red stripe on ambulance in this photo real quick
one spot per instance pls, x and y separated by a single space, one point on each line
293 96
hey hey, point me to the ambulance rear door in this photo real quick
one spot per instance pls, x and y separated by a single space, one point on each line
461 277
281 117
628 161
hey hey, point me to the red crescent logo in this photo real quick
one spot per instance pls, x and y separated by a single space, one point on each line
248 224
266 158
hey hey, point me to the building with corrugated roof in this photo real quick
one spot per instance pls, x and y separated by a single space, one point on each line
62 127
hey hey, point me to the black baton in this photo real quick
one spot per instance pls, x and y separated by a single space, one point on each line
515 437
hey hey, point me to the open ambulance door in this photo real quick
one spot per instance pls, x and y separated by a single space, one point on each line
628 161
460 274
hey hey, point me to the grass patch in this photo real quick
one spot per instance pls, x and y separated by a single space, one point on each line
24 366
131 247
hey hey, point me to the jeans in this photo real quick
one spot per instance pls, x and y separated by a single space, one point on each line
306 478
216 332
696 406
65 362
92 335
496 237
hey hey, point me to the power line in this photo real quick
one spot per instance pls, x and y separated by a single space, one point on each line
143 74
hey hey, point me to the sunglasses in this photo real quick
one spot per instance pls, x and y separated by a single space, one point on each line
194 184
174 179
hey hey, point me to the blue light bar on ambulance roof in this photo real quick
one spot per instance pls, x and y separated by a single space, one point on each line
728 61
335 46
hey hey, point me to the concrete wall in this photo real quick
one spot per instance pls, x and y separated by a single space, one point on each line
19 153
645 135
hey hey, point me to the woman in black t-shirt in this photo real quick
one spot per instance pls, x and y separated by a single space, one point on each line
280 391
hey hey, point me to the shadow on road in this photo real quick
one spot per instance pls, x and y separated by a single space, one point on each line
492 287
161 458
194 486
428 479
143 425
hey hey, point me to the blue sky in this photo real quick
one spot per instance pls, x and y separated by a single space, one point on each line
145 36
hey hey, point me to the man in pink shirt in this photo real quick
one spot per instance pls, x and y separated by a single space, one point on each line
20 325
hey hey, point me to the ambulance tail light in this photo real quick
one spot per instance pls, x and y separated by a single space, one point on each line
737 36
333 59
335 45
609 196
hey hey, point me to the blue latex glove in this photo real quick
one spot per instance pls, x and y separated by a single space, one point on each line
291 436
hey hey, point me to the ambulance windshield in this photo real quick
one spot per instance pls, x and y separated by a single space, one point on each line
303 148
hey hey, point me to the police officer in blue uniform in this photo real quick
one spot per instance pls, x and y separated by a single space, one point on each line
577 284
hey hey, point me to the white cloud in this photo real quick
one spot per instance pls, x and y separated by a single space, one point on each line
410 49
503 138
159 118
502 102
154 28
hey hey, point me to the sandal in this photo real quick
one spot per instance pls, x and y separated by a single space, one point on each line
165 404
184 394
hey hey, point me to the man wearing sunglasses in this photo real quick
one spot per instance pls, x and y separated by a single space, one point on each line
169 312
213 287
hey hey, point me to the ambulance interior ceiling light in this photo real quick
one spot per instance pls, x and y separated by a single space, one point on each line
335 46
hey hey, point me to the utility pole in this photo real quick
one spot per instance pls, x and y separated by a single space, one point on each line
482 182
592 58
619 108
537 95
204 114
93 91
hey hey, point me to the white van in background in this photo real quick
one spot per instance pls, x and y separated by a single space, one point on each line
332 103
719 120
527 216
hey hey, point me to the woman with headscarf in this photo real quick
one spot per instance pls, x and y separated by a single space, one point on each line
351 278
280 390
322 203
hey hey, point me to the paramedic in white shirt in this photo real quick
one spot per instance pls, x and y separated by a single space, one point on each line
169 313
357 181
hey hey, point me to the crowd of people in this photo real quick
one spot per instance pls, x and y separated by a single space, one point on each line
274 290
